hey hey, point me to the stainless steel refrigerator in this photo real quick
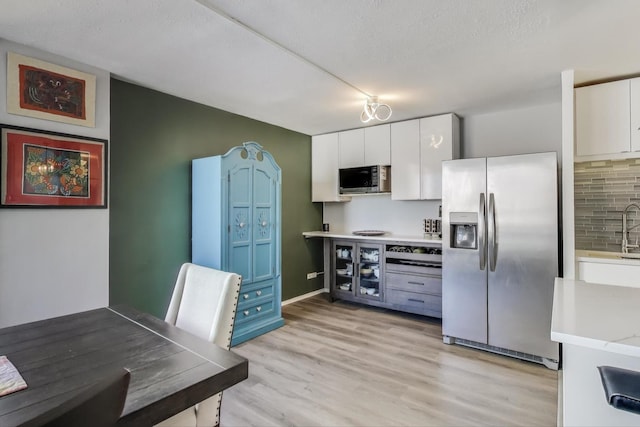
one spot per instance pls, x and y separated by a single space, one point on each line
500 254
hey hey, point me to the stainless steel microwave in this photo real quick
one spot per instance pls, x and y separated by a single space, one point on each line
365 179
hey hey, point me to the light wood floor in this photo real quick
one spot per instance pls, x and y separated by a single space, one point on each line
342 364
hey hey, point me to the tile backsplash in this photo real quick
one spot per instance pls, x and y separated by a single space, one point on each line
602 190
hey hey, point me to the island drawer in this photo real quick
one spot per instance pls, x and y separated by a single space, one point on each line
413 302
414 283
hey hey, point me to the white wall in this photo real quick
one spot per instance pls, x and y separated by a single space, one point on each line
379 212
53 261
517 131
524 130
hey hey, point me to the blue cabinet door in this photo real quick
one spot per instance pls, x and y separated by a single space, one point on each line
264 232
253 250
240 221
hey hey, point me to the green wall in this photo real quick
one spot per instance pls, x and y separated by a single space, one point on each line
154 136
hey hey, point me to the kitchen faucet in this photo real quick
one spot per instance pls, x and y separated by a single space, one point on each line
625 230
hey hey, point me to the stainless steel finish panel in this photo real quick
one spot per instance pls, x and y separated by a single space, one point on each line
384 179
520 290
464 285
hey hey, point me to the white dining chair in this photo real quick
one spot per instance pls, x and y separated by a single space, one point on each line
204 303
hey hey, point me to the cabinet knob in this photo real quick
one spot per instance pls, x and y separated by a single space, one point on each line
263 223
258 309
241 225
245 296
246 312
258 293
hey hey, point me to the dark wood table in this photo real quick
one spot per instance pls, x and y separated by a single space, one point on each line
171 370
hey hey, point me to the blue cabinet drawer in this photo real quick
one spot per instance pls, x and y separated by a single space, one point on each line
251 293
254 312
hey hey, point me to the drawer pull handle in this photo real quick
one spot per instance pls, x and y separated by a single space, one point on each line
416 300
246 312
258 309
416 283
258 293
245 296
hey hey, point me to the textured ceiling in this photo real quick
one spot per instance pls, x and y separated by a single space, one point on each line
423 57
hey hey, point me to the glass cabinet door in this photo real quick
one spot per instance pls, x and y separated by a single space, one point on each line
343 268
369 271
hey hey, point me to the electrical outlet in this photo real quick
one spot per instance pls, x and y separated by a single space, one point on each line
312 275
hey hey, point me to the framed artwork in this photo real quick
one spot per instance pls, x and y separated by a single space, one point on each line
47 91
47 169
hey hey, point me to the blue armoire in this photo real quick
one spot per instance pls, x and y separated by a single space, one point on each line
236 227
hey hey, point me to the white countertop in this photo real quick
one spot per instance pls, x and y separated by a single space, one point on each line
387 237
602 317
604 257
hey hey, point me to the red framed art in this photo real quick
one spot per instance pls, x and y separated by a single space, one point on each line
48 169
47 91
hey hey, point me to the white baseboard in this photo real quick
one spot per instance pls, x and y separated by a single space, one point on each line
305 296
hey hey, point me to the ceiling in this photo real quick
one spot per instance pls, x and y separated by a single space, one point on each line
306 65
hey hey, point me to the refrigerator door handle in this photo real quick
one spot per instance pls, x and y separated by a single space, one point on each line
491 231
482 231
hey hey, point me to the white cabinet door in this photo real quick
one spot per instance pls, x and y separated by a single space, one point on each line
635 114
365 147
377 145
324 168
351 144
418 148
438 142
603 118
405 160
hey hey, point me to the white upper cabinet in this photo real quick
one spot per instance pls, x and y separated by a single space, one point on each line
415 150
608 119
418 148
351 143
603 118
365 146
439 140
405 160
324 168
377 145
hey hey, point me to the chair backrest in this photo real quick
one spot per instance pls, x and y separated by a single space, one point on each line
204 303
99 405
